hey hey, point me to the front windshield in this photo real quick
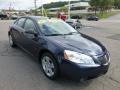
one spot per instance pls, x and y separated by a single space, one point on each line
55 27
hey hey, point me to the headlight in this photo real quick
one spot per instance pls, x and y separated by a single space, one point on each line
78 57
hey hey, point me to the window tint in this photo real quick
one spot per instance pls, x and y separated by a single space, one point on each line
20 22
29 25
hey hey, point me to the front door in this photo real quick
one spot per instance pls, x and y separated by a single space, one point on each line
30 40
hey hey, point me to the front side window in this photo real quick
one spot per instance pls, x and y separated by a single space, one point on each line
55 27
29 25
20 22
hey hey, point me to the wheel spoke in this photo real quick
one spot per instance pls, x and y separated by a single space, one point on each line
51 72
51 66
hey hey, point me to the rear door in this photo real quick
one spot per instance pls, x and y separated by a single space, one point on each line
18 31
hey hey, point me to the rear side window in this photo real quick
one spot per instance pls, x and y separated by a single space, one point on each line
20 22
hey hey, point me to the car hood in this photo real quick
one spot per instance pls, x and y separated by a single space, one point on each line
78 43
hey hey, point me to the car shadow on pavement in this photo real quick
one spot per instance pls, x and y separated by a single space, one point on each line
71 82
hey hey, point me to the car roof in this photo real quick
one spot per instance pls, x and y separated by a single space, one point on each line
92 16
36 17
39 18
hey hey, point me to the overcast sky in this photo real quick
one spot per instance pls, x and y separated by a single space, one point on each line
23 4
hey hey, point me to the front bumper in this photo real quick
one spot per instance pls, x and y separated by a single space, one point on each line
78 72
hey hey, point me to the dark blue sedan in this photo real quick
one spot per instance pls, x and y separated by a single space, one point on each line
60 49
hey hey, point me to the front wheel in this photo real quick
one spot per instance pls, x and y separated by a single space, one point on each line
49 66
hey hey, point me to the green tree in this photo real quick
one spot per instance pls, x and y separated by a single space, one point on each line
103 5
117 4
57 4
106 5
64 9
94 4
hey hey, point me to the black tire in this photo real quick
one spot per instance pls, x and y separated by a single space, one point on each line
55 70
2 18
11 41
96 19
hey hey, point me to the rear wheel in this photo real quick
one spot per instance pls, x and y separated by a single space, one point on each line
49 66
2 18
11 42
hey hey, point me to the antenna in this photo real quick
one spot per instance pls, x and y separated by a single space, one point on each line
10 5
42 8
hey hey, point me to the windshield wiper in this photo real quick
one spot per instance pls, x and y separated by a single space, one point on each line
71 33
54 34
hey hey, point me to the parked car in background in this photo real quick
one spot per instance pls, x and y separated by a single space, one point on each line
76 17
94 18
14 17
75 23
3 16
60 49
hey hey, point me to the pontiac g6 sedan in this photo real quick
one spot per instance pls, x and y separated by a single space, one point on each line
60 49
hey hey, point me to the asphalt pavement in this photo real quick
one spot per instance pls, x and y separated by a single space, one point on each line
19 71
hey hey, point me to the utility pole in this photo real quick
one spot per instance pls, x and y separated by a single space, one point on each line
35 3
69 7
42 8
10 5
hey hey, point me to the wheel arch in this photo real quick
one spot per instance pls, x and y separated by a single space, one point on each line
41 52
47 51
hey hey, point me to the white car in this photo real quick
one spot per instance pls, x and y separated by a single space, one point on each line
75 23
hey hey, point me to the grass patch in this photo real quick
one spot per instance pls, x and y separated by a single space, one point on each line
106 14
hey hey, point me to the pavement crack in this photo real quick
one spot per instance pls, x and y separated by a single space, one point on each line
114 80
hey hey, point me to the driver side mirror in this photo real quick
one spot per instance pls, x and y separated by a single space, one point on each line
31 32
